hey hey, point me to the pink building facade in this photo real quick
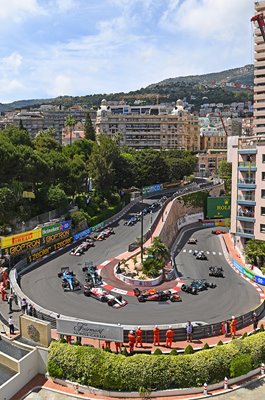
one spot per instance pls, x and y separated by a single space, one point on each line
248 190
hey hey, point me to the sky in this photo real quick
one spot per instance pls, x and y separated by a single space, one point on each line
53 48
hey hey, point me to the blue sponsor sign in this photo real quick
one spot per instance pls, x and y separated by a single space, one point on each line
153 188
82 234
238 266
65 225
258 279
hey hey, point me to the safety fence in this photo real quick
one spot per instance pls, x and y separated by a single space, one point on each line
201 330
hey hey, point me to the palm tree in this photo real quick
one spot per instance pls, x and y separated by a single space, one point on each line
70 122
159 250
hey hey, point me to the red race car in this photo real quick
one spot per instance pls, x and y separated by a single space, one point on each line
155 295
218 232
105 297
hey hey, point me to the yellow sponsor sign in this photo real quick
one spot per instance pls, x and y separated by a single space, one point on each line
23 237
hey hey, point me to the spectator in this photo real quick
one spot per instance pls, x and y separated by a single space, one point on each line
169 336
30 310
10 302
139 337
107 344
3 293
118 347
24 305
189 330
131 337
225 326
255 321
11 325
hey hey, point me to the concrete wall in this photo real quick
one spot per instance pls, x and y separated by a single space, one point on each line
33 363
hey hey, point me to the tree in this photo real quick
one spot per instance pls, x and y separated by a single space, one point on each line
255 252
158 250
56 197
44 143
225 173
89 128
70 122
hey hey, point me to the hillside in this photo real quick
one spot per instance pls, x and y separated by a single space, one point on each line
225 87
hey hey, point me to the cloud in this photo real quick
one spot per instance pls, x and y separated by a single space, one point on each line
18 10
60 85
207 19
65 5
12 62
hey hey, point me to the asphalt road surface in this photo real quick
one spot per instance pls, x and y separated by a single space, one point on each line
232 296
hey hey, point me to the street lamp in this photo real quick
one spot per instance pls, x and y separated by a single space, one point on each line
142 222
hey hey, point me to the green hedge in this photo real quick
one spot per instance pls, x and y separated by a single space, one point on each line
91 366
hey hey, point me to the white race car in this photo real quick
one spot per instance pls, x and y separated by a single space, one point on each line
79 250
105 297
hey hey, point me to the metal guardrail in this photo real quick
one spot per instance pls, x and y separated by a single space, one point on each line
200 331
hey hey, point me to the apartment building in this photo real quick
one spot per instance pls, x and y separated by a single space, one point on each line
259 76
208 162
176 130
248 190
47 117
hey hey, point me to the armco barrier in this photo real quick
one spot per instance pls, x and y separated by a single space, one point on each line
250 275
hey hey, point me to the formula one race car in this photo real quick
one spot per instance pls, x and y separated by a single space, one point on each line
79 250
218 232
200 255
131 221
108 231
192 241
197 286
155 295
92 275
69 281
100 236
216 271
105 297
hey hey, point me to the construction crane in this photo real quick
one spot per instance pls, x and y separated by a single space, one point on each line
259 18
224 127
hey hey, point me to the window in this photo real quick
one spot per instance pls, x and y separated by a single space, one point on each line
263 193
262 228
263 158
262 211
263 176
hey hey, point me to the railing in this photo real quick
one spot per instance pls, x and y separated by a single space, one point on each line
246 146
246 198
248 214
247 231
246 181
246 164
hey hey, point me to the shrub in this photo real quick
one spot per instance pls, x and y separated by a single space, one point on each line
95 367
173 352
157 352
220 343
124 352
78 343
107 350
206 346
245 334
240 365
189 350
261 329
62 340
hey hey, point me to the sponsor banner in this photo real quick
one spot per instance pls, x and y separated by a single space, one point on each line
56 236
258 279
24 247
89 329
153 188
98 226
189 219
47 250
219 207
208 223
82 234
11 241
55 228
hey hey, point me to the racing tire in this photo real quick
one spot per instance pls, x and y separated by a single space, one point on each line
193 291
87 293
184 288
60 274
212 285
174 299
111 303
119 297
141 299
84 269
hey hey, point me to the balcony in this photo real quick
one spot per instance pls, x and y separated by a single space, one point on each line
247 166
246 200
246 184
245 232
247 215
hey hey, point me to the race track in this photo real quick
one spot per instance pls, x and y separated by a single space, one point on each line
232 296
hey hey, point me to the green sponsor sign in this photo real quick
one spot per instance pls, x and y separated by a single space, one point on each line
50 229
219 207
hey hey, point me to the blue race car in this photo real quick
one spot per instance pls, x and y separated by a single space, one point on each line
69 281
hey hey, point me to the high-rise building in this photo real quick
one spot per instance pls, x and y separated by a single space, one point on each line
259 76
